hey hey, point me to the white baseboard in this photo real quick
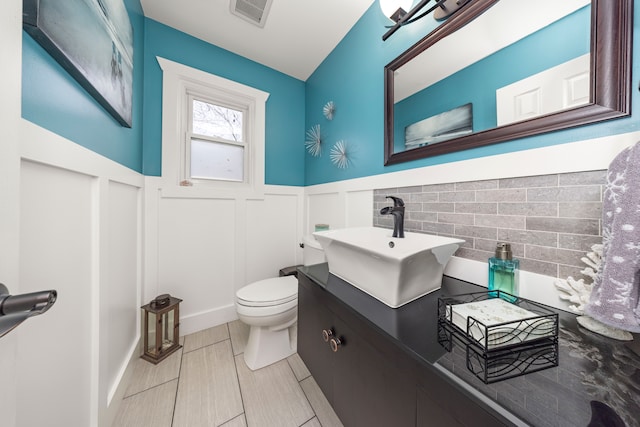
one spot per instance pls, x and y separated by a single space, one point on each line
116 394
207 319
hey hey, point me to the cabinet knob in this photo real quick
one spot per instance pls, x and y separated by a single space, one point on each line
327 334
335 344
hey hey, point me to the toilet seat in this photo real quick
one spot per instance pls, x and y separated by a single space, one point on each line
265 310
269 292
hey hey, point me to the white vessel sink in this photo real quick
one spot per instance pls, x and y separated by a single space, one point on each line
395 271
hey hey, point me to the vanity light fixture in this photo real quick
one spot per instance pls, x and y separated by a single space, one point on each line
442 9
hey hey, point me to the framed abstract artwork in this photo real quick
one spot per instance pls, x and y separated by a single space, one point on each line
93 41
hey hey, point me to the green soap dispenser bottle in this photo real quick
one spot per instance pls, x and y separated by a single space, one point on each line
503 272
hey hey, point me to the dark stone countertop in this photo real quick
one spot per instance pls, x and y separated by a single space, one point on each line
597 382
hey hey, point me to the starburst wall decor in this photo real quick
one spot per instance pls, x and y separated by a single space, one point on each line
329 110
340 154
314 141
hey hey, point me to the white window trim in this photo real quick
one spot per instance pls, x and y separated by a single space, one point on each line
178 81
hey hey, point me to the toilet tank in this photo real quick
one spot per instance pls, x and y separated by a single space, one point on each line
312 252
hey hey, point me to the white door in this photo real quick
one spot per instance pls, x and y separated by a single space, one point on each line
558 88
10 84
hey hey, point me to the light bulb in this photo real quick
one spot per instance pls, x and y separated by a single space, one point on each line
390 7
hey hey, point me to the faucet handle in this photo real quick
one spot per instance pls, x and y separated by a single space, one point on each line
397 201
386 210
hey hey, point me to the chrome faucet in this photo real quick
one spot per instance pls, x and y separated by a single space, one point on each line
397 210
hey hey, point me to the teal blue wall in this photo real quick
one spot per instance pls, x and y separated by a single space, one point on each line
352 76
51 98
284 150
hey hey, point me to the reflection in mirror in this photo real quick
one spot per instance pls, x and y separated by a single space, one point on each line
506 69
528 38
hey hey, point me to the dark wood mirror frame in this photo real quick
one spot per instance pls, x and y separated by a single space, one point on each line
611 39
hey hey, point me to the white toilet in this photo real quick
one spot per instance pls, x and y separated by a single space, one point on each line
270 308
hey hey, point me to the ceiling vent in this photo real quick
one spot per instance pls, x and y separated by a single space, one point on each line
254 11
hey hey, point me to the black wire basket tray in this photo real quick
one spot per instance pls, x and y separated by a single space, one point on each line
504 336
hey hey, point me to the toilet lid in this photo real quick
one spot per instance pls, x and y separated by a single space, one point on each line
278 290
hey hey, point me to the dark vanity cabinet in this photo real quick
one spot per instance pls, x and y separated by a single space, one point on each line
367 377
359 381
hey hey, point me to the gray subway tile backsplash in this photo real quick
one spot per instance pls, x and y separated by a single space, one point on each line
541 238
505 221
476 185
530 181
476 208
438 207
458 196
577 193
564 225
578 242
437 188
503 195
550 220
580 210
583 178
456 218
528 209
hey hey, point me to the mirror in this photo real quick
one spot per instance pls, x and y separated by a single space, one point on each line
435 115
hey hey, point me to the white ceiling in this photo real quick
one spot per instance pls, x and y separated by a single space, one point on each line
297 37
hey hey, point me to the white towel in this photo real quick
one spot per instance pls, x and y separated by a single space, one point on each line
614 299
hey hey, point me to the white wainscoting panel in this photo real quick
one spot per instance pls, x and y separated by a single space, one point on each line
57 252
119 299
358 208
272 235
339 205
201 246
80 233
325 208
196 255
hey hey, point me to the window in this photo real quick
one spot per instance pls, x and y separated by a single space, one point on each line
213 130
216 148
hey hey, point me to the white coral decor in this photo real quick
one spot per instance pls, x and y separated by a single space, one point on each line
577 291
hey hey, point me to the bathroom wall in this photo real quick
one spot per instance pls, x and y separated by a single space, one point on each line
51 98
284 148
108 240
78 194
77 214
562 179
80 233
551 221
352 76
348 77
201 245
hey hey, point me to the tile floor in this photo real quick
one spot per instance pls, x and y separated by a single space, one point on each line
207 383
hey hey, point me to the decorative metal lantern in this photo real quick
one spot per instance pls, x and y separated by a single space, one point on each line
161 328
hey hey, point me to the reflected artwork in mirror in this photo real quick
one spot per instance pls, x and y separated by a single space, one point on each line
484 76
